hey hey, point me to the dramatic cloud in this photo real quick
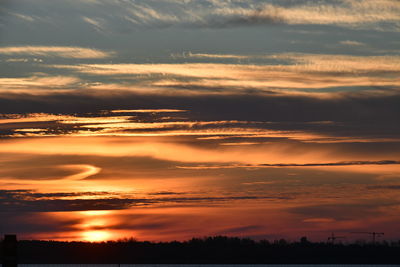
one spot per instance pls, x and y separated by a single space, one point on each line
153 118
139 124
314 75
23 200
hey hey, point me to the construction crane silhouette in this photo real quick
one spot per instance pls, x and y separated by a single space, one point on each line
333 237
373 234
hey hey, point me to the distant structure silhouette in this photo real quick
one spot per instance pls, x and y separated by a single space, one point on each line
304 240
10 258
373 234
333 238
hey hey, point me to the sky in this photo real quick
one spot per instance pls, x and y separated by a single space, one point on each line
170 119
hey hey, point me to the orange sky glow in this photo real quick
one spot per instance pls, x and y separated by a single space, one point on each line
165 120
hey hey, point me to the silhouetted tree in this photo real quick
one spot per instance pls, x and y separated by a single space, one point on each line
218 249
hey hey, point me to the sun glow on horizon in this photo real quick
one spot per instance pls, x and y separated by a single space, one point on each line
96 236
96 212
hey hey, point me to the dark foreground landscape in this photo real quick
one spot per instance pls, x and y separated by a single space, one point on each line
222 250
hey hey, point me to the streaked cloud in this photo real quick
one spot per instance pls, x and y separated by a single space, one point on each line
365 14
293 74
341 63
314 75
147 110
215 56
196 157
41 83
25 200
86 171
351 43
97 24
297 62
55 51
385 187
32 117
327 164
133 126
111 16
22 16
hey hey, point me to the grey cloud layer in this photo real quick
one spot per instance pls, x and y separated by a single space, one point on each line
356 115
327 164
103 15
25 200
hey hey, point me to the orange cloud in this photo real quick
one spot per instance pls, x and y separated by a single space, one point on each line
37 82
304 72
55 51
359 14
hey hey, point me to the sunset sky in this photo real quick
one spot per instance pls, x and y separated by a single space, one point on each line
171 119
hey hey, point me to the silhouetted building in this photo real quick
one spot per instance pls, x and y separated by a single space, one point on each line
10 251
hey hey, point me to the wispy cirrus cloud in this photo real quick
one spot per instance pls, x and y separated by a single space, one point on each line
351 43
285 165
313 75
96 23
364 14
347 13
294 61
295 73
55 51
22 16
41 83
121 16
215 56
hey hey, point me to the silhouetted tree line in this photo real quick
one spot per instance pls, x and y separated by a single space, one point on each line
219 249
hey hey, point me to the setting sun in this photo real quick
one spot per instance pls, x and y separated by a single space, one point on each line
96 236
